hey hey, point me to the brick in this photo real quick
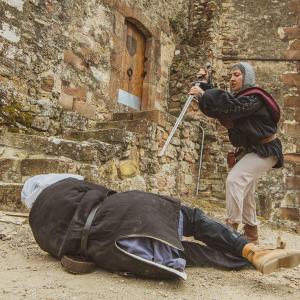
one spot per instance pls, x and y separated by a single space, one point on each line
78 93
292 54
292 158
128 169
149 96
74 60
89 56
292 130
295 45
289 213
292 101
137 14
119 25
66 101
31 167
291 79
114 84
116 59
85 109
47 83
294 6
292 32
293 182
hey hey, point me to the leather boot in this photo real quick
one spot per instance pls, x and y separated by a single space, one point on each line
268 260
233 226
250 233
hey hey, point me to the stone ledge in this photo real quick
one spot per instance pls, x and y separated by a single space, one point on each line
80 151
111 136
140 126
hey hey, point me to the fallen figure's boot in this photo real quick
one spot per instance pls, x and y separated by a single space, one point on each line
268 260
77 264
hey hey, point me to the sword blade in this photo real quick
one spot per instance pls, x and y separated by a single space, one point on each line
179 119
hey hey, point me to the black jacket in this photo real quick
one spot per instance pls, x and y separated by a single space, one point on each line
58 216
250 118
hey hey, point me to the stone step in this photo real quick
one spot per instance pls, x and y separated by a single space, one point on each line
10 197
10 170
17 170
111 136
85 151
139 126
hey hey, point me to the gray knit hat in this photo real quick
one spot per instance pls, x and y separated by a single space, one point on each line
248 73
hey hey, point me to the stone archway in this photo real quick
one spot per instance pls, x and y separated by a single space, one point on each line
133 19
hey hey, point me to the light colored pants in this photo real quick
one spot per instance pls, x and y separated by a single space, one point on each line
240 187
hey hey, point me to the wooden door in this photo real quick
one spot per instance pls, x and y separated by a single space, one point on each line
133 71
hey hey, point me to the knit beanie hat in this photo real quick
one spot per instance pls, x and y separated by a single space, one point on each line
248 73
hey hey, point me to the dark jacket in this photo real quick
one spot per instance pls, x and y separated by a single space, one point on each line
59 214
250 121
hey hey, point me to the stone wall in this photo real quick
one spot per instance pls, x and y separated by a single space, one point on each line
58 59
60 68
290 205
59 65
224 33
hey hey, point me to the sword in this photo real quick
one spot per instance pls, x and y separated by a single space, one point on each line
204 85
178 121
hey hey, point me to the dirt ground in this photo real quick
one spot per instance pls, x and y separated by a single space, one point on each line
26 272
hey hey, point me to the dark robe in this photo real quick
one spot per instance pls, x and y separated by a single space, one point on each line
59 214
248 120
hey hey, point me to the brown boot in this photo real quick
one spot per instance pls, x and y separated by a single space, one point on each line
270 260
250 233
232 225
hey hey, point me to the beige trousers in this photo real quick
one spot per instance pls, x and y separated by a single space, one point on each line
240 187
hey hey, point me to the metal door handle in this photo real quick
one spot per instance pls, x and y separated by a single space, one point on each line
129 72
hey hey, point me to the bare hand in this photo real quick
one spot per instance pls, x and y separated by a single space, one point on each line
196 91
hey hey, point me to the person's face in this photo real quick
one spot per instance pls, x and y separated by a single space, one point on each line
236 80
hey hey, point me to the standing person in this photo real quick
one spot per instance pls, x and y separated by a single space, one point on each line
250 115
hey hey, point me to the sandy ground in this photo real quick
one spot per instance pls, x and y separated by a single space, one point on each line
26 272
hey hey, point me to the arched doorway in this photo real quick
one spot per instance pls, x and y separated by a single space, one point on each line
133 67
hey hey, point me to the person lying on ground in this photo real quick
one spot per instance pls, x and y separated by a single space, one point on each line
136 232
